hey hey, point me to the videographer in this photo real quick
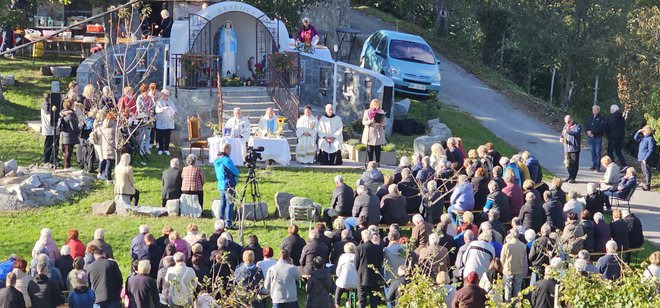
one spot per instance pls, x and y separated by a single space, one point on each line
227 175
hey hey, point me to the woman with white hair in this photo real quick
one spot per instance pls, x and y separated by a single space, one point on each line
404 163
107 101
141 288
437 153
347 276
165 117
608 265
46 241
602 232
434 258
124 181
611 176
165 24
595 200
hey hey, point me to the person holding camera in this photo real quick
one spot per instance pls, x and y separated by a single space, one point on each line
227 175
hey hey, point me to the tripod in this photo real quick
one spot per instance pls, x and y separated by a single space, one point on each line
251 184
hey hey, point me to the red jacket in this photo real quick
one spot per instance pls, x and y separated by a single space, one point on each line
127 106
77 248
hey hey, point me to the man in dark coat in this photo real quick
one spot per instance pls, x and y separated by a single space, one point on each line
10 297
595 130
313 249
635 232
49 293
619 230
138 247
293 244
154 253
341 203
393 207
532 215
554 211
366 204
171 182
368 256
543 295
338 248
105 280
409 189
497 200
571 138
471 295
615 131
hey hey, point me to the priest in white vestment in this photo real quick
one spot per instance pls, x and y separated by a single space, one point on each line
330 137
306 130
238 126
268 123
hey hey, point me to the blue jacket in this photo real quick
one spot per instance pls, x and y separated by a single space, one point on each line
534 169
225 172
463 197
646 146
627 185
572 138
82 298
516 172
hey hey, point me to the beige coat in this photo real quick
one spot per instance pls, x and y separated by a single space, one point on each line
109 140
124 182
373 134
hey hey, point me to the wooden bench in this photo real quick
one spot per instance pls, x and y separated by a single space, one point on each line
595 255
406 226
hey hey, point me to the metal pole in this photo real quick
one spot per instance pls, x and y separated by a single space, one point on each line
165 64
334 86
552 84
596 91
502 50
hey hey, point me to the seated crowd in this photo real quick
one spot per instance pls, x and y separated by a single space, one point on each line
474 219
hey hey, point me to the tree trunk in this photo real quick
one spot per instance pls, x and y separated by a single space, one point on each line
529 74
568 86
2 97
441 26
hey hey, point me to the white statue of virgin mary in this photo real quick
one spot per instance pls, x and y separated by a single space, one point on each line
228 49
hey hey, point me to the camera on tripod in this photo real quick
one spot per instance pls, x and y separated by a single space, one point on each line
253 154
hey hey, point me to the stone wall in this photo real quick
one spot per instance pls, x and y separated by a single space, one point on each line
355 87
326 16
93 70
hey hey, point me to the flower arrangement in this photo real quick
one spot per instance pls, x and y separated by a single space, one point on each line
236 81
215 128
305 47
281 121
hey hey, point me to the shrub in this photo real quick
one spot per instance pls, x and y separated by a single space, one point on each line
353 142
361 147
389 147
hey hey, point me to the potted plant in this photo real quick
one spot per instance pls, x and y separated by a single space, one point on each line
349 148
361 152
190 67
388 154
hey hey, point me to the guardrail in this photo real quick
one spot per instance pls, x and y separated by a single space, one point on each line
282 77
194 71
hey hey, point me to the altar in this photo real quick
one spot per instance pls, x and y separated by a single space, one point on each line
237 149
277 149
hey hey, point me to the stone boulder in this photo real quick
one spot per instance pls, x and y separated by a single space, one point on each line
148 211
33 181
254 211
172 207
401 108
440 129
190 206
282 202
11 165
122 203
215 208
104 208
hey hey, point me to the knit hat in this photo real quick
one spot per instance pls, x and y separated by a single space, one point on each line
472 278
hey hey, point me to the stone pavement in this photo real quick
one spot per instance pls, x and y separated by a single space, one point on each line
469 94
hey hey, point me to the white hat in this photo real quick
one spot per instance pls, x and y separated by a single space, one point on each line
165 91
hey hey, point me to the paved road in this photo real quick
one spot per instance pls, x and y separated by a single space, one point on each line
469 94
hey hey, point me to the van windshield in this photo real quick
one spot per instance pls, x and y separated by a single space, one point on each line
411 51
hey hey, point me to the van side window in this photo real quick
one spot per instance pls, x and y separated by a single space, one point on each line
382 47
375 39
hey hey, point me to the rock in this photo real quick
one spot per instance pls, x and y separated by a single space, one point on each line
190 206
172 207
22 171
38 191
61 196
73 185
254 211
440 129
11 165
401 107
423 144
432 122
215 208
104 208
33 181
282 202
10 174
146 211
122 202
18 191
51 181
62 187
10 203
49 197
2 169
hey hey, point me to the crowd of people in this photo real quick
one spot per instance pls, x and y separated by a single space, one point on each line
475 217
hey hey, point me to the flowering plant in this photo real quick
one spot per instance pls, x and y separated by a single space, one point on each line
281 121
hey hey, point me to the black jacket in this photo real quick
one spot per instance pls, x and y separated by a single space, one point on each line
588 227
105 280
554 214
596 202
615 127
69 128
409 189
480 187
49 294
532 216
142 292
257 250
342 200
65 265
155 253
319 287
596 124
500 203
393 290
620 234
367 204
543 295
171 184
635 233
309 252
10 297
393 209
368 254
294 245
